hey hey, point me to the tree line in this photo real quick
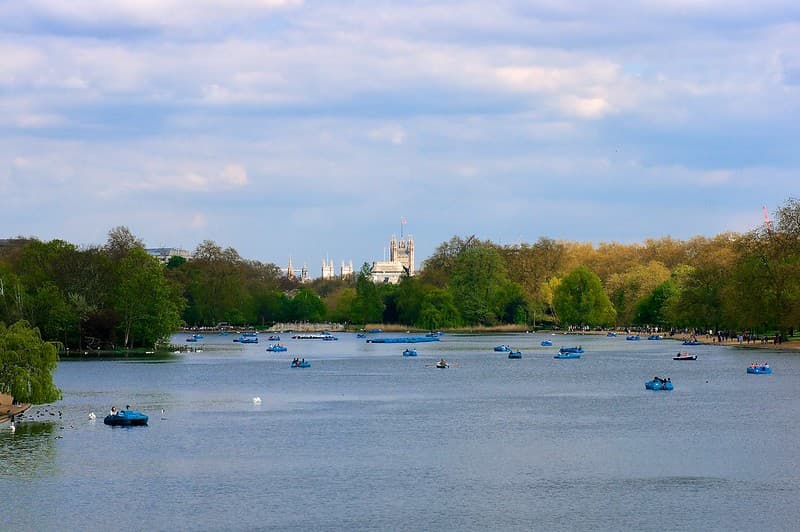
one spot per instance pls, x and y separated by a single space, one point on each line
117 295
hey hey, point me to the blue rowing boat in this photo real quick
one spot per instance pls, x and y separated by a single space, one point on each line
403 340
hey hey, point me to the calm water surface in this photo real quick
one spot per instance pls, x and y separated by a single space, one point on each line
366 439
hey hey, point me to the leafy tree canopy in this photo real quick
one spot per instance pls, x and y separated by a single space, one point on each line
27 364
580 300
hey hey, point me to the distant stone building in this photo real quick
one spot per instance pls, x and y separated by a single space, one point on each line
346 270
291 273
327 269
164 254
401 262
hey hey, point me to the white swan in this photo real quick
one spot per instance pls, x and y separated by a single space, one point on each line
256 400
12 427
92 415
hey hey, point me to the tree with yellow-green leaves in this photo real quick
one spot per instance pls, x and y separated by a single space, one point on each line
26 364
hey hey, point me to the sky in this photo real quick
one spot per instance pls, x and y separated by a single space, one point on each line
308 129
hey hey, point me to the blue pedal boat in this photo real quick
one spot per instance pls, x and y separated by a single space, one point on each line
515 354
303 364
547 343
126 418
502 348
410 353
759 369
276 348
659 385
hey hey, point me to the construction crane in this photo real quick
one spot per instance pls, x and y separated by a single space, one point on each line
767 221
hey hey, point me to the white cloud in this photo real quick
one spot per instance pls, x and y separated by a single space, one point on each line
151 13
390 133
235 175
584 107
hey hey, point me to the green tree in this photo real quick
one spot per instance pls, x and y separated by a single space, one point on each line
581 300
477 283
626 289
175 261
148 306
653 309
340 303
410 295
438 310
437 268
120 242
367 305
26 364
703 284
215 284
307 306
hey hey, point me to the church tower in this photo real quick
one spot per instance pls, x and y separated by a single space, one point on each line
290 270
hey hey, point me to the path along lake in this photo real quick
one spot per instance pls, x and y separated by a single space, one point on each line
366 439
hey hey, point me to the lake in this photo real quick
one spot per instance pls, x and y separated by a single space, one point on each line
366 439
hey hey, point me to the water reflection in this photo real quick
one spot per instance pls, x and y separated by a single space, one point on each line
28 450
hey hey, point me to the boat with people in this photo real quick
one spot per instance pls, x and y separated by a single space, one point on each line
191 339
323 336
442 364
759 368
576 349
515 354
246 339
547 343
659 384
655 337
301 363
361 335
611 334
692 341
125 418
565 355
409 352
274 338
502 348
434 333
684 356
277 348
632 337
403 340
